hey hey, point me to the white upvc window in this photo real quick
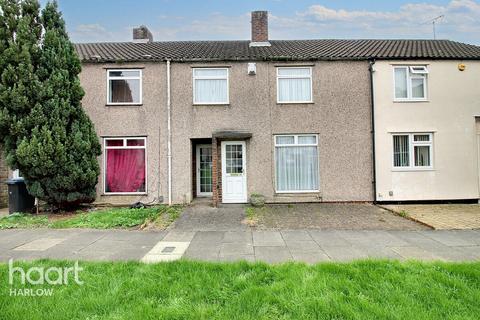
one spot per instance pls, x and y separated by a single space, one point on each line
410 83
294 85
296 163
210 86
125 165
124 87
412 151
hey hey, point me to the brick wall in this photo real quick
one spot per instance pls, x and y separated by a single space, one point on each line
216 172
3 186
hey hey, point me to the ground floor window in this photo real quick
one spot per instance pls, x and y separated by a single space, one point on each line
412 150
296 163
125 165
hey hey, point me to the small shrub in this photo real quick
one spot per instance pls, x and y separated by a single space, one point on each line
257 200
403 214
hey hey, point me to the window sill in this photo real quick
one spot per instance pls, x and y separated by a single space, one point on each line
296 192
412 169
124 105
296 103
211 104
124 194
411 101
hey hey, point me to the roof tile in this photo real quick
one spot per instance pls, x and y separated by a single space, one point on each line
327 49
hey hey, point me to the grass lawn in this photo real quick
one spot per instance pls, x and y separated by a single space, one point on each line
195 290
158 216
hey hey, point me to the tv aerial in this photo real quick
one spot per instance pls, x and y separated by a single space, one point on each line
434 22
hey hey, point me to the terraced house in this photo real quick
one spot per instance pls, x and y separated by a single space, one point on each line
293 120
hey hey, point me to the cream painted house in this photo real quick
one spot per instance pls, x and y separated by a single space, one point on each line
289 119
427 129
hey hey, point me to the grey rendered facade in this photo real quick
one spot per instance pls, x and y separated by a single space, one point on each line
339 114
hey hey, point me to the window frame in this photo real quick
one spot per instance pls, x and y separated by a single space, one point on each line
211 78
411 151
105 148
310 77
411 75
139 78
295 144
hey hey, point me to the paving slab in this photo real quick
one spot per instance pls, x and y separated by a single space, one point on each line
236 258
179 235
40 244
416 253
310 257
267 238
166 251
346 253
303 246
450 237
378 252
296 235
236 248
238 236
272 254
205 254
208 237
329 238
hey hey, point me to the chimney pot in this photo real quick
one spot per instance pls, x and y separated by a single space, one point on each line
142 35
259 28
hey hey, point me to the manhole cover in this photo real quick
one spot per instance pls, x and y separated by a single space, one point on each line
168 249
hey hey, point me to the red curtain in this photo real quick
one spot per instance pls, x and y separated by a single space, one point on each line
126 170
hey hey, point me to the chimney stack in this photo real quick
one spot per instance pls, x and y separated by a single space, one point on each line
259 29
142 35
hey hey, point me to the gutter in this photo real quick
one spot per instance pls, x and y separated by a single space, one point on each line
169 134
372 97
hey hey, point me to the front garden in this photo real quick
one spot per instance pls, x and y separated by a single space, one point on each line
156 217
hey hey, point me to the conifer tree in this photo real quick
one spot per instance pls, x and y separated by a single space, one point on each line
50 138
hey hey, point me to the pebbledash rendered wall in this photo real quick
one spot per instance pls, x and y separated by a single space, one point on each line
340 115
147 120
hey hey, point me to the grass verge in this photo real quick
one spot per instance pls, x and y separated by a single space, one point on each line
196 290
159 216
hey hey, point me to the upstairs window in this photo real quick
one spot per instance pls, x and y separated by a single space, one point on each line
210 86
124 87
294 85
410 83
125 165
412 150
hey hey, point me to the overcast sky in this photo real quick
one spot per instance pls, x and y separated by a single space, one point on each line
112 20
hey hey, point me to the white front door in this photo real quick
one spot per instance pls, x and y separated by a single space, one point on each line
234 173
204 170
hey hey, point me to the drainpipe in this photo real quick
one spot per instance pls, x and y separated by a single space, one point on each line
169 135
372 97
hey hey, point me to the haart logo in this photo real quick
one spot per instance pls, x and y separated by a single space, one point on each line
40 276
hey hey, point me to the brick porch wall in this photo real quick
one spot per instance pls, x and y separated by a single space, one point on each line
3 186
216 172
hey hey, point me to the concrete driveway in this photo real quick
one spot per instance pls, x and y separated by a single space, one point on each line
333 216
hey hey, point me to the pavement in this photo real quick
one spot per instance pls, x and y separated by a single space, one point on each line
218 234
